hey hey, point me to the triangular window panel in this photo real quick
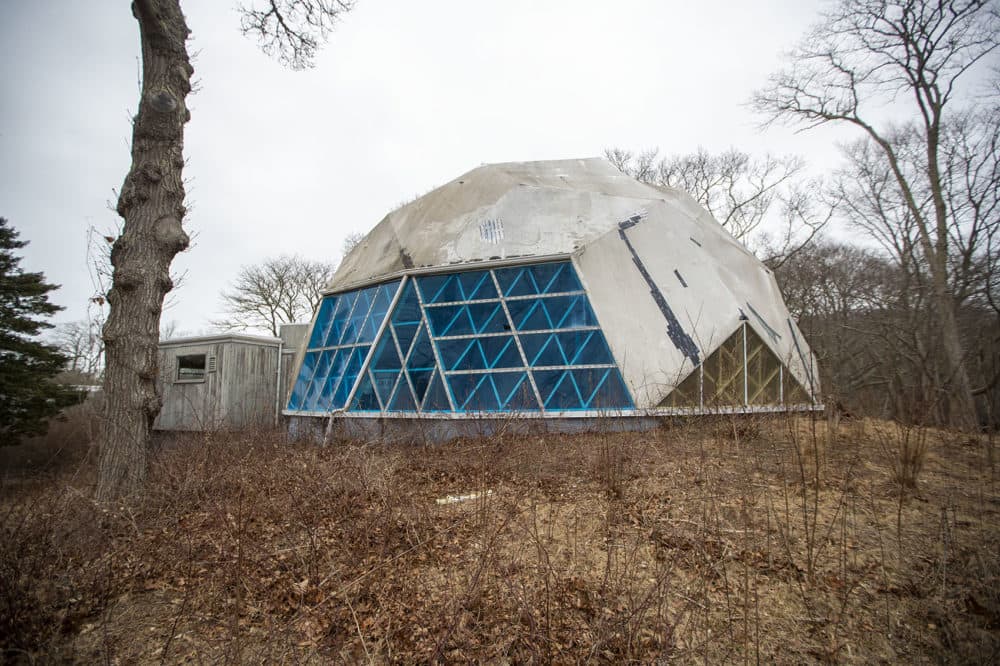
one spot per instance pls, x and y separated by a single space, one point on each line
322 325
462 354
558 389
516 281
441 288
485 397
385 381
724 380
420 379
382 301
609 390
437 396
542 349
341 315
364 397
500 352
488 317
422 356
463 387
687 393
402 401
557 278
477 285
386 357
514 391
297 399
529 315
407 310
450 320
404 335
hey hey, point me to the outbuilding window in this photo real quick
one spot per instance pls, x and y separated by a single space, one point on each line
191 367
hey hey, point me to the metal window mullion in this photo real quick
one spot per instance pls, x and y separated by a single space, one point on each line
701 385
473 301
374 345
541 331
517 341
587 366
437 355
525 297
746 370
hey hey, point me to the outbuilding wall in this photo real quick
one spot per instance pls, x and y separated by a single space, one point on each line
238 390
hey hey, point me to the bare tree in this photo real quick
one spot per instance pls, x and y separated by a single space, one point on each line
911 55
740 191
151 204
351 241
277 291
80 342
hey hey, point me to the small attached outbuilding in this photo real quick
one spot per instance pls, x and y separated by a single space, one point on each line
225 382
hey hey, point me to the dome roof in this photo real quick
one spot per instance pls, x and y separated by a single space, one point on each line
505 211
668 284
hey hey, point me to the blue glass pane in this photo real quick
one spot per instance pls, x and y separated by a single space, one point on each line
515 391
460 354
480 353
440 288
609 391
402 401
477 285
386 357
450 320
404 336
474 393
407 309
437 396
552 278
488 318
422 356
535 314
529 315
320 376
340 316
556 278
384 381
585 348
466 286
558 389
542 349
383 299
467 319
500 352
516 281
302 383
353 328
351 370
364 397
420 379
322 324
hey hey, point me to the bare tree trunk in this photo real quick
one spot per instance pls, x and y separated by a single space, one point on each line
152 204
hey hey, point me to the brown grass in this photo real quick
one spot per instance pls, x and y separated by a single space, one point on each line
728 541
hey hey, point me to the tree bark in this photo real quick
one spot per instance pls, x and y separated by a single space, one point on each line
151 203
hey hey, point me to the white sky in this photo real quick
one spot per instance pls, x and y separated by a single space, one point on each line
406 96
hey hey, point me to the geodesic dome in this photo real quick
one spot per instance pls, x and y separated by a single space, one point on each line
555 289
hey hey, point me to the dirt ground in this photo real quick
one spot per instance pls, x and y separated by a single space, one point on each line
785 539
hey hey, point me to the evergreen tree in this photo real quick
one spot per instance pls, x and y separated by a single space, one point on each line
28 397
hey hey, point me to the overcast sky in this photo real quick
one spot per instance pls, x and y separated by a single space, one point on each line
406 96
